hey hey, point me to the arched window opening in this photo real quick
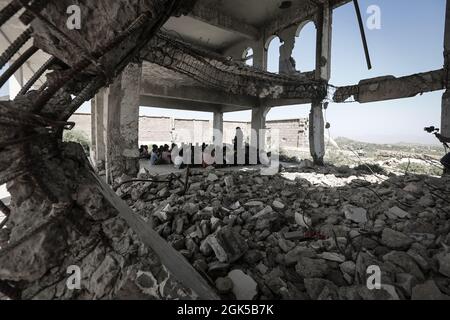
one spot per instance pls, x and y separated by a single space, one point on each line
304 52
273 54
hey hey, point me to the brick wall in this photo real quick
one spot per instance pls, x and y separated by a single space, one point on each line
160 130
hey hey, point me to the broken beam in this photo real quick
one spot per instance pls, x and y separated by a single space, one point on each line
390 87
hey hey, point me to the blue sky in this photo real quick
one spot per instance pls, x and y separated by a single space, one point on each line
410 40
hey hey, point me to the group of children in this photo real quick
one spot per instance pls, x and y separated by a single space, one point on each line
163 154
158 155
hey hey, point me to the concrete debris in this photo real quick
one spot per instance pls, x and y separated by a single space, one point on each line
288 238
295 238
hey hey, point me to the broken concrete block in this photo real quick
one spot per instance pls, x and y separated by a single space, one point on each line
303 220
395 240
244 287
228 245
332 256
278 205
355 214
264 212
212 177
396 211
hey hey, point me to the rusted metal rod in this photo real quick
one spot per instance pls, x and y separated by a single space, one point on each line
363 34
10 10
15 47
17 64
37 75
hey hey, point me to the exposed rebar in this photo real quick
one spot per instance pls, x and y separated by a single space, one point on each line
15 47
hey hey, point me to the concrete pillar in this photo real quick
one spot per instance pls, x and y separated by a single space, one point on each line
98 130
122 123
323 72
445 114
324 25
93 133
259 115
218 129
317 133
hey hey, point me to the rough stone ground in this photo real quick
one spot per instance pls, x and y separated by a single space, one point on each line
310 233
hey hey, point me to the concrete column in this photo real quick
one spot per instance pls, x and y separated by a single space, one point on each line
259 115
323 72
218 129
324 25
445 114
122 123
93 132
98 130
317 133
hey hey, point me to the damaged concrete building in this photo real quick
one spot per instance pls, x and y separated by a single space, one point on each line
201 234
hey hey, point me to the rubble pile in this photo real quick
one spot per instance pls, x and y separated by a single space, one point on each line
304 235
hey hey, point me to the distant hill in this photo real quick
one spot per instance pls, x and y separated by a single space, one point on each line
346 143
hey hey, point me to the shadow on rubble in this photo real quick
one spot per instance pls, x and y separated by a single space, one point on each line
291 237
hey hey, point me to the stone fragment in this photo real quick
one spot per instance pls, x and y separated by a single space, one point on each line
332 256
229 183
263 213
444 264
405 262
206 213
278 205
224 285
348 267
293 256
414 189
244 287
355 214
395 240
190 208
252 257
303 220
212 177
228 245
428 291
406 281
321 289
253 204
311 268
295 235
400 213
